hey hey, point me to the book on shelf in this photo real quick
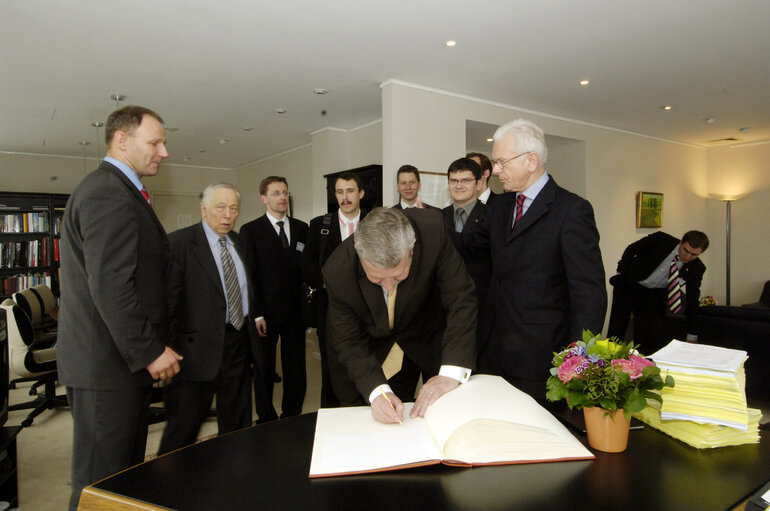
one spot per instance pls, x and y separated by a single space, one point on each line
485 421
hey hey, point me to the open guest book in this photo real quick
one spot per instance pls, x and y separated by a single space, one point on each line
486 421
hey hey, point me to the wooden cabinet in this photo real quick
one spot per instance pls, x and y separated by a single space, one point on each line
30 228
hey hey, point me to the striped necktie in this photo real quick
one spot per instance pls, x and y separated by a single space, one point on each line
232 287
519 209
674 288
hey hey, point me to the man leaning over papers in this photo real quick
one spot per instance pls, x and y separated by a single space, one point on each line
400 302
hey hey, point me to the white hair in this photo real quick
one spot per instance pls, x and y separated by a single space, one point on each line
529 137
208 192
384 237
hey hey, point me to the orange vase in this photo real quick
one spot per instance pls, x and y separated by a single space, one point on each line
608 433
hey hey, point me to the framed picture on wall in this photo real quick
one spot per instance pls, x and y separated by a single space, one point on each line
649 209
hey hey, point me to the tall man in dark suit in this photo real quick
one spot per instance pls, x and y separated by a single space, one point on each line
408 181
547 273
112 322
486 194
209 297
658 275
467 221
325 234
400 302
274 244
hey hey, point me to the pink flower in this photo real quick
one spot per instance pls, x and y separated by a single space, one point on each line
640 362
568 369
632 369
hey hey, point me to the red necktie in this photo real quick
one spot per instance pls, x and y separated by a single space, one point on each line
519 208
146 195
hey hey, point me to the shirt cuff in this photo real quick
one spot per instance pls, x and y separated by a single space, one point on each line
460 374
376 392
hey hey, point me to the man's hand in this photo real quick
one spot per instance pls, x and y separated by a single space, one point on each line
261 327
430 391
383 412
166 366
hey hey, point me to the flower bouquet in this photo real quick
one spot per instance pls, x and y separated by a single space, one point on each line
604 373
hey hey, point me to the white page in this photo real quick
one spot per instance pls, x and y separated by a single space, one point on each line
699 356
351 440
489 397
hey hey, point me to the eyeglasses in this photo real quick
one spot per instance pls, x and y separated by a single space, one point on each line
277 194
502 163
464 181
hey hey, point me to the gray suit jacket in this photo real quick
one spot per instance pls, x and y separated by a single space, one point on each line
114 259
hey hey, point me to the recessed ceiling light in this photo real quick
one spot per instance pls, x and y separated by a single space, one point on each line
223 141
451 43
187 158
489 140
202 151
320 91
585 82
172 130
247 128
97 124
710 120
84 143
280 110
667 107
744 130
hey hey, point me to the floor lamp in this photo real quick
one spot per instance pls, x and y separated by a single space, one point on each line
728 200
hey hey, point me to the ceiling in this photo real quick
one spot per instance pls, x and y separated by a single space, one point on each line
212 69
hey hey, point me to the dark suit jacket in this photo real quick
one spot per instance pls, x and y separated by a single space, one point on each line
197 303
435 316
473 245
114 259
547 280
641 258
427 206
275 270
311 270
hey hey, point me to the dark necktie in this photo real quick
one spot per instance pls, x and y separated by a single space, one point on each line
519 209
459 220
146 195
282 234
232 288
674 288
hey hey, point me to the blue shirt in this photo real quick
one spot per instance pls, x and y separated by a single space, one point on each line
128 171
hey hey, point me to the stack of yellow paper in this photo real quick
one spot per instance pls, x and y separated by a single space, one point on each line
702 436
707 405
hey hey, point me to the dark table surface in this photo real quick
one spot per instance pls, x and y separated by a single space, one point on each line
266 467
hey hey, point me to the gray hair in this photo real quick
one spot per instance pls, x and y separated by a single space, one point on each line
208 192
529 137
384 237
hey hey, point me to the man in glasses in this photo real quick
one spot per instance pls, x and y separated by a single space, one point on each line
658 275
274 244
547 280
467 221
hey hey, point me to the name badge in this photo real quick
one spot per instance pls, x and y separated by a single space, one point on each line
300 246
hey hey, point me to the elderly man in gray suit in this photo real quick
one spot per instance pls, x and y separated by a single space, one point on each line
112 322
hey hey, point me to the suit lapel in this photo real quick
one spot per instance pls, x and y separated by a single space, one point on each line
202 252
133 190
539 207
375 300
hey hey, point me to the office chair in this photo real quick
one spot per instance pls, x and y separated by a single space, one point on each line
38 302
31 362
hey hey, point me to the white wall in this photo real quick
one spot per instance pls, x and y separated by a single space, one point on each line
739 170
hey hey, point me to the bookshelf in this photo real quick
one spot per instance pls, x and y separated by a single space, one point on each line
30 229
